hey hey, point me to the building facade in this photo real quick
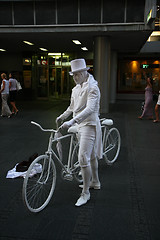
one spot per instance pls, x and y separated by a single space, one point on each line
112 38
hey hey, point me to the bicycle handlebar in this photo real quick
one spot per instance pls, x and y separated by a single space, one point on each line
60 127
44 130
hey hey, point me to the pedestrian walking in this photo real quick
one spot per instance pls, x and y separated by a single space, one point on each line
13 93
148 106
4 95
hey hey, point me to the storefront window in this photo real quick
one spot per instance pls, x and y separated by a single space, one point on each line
131 76
51 74
59 66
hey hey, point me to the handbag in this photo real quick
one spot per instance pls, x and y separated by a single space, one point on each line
24 165
19 87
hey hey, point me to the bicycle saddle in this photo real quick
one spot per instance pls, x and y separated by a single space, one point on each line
108 122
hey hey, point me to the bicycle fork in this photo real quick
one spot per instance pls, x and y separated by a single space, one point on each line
47 164
66 171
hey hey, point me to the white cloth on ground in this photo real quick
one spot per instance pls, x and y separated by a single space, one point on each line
37 168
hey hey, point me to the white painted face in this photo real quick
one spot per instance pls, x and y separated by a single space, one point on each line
79 77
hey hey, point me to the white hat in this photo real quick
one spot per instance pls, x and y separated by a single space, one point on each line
78 65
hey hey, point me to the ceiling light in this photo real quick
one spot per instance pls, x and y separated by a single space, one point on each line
84 49
2 50
76 42
29 43
55 54
43 49
155 33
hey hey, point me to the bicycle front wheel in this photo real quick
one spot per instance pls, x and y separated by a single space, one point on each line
39 183
76 169
112 146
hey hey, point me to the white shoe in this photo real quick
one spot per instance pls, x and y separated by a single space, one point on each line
83 199
96 186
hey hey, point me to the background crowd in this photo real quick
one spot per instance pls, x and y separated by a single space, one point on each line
9 88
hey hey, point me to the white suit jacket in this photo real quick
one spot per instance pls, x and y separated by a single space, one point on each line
84 105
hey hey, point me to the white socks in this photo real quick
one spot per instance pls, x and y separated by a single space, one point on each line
86 174
94 168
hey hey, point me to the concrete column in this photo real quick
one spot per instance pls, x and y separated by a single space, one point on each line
102 69
113 82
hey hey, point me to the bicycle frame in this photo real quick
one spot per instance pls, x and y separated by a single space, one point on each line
67 168
104 134
51 152
37 191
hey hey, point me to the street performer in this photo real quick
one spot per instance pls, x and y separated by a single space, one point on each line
84 105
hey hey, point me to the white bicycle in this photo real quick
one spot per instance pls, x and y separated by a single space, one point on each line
40 180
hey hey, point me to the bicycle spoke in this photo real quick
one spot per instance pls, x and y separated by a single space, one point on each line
111 146
38 190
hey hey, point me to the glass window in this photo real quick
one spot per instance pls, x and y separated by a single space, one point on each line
67 12
23 13
5 13
42 76
45 12
132 73
113 11
135 10
90 11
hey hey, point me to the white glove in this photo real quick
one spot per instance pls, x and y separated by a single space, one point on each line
68 124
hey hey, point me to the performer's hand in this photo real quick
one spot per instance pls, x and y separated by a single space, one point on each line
68 124
58 120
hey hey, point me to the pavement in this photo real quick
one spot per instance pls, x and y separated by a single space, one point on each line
126 208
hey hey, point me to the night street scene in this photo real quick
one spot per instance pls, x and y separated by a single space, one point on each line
79 124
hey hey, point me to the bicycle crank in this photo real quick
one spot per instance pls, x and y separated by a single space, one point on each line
66 176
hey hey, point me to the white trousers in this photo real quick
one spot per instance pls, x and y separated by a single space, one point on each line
87 156
87 135
5 108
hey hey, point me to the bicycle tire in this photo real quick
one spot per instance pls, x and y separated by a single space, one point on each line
38 189
111 146
76 169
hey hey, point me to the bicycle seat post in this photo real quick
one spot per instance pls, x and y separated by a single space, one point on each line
104 134
70 150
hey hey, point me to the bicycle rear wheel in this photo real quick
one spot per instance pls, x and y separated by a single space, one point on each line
76 169
39 183
112 146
